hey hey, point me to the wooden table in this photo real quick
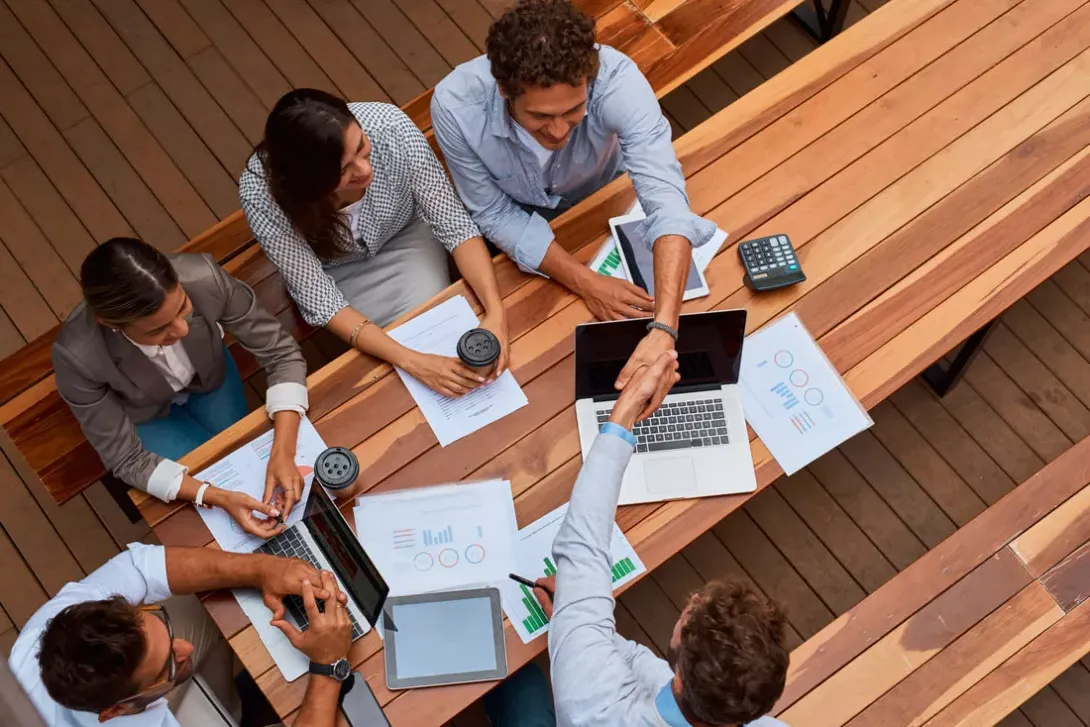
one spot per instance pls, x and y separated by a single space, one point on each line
930 165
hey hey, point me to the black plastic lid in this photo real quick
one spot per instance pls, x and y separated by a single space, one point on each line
336 468
478 347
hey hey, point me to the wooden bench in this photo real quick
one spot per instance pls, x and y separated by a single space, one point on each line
969 631
931 165
671 40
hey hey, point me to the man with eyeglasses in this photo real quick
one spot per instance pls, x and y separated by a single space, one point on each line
98 652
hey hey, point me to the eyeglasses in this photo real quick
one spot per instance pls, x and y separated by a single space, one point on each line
171 673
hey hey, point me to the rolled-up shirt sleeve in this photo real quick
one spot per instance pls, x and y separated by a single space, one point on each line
525 237
630 109
138 574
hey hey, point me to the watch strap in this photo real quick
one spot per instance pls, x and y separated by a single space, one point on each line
324 670
662 327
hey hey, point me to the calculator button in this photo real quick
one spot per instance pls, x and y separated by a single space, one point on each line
782 238
758 276
792 267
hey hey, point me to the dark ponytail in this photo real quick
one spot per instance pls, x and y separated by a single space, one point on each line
301 154
124 279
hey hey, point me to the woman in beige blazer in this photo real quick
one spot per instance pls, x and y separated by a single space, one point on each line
142 363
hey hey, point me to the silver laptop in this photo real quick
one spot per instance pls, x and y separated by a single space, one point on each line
323 539
696 444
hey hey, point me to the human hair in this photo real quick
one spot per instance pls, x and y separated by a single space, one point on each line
301 155
90 652
541 43
125 279
732 659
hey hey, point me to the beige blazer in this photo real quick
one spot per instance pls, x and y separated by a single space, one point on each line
111 386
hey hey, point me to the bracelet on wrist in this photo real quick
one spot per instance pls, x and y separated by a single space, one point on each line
655 325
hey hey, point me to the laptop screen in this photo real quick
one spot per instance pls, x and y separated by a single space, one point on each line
358 574
709 349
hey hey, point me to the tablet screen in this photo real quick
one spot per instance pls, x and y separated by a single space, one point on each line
640 259
442 638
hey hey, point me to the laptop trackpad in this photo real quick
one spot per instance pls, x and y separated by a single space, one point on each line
670 476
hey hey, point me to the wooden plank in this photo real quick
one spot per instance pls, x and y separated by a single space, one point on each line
440 30
1073 686
10 338
929 523
57 160
994 435
976 468
962 663
817 566
763 55
1055 536
355 83
938 570
836 530
1046 708
653 610
684 106
239 49
738 73
185 147
178 82
1016 408
176 26
1015 719
926 466
1074 279
1018 678
790 39
120 528
471 18
776 576
905 648
10 148
231 92
370 49
95 36
678 580
124 185
38 75
1045 389
1063 314
873 516
1069 582
712 91
28 246
405 40
140 148
21 300
20 592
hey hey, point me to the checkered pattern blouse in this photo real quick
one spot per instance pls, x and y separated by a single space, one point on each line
408 182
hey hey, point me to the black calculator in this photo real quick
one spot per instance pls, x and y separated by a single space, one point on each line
770 263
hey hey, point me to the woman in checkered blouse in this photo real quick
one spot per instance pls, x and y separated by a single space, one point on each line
351 205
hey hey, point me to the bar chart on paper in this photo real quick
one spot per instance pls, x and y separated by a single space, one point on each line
533 556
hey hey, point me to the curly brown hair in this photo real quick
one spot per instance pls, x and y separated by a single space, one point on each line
541 43
732 659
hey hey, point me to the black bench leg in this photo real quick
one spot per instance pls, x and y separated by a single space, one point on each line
120 492
943 378
821 23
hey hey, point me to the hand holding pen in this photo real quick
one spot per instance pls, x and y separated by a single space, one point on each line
544 591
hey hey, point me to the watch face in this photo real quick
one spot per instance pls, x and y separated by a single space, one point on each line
341 669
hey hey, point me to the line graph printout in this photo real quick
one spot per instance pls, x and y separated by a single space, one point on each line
440 538
534 559
793 397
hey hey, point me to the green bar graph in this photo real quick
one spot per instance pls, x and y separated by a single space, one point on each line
622 568
550 569
537 619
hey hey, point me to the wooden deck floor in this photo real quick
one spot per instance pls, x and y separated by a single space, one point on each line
135 117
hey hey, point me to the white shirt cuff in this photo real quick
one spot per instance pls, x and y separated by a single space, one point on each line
151 561
166 480
287 396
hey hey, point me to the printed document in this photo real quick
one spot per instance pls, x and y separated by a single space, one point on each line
441 538
244 470
793 397
534 559
437 332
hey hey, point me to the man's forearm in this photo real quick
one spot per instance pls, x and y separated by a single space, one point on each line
193 570
319 708
561 266
673 257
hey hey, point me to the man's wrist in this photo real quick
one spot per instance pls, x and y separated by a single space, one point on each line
623 417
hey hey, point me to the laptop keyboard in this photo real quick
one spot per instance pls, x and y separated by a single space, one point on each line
680 425
289 544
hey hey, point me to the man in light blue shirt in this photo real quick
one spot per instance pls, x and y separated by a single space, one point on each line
544 120
727 664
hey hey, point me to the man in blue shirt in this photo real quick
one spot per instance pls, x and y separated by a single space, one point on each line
546 118
727 664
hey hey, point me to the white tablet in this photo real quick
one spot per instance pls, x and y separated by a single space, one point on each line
444 638
638 259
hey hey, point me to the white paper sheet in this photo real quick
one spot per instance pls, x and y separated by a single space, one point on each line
793 397
440 538
534 559
607 261
244 470
291 662
437 331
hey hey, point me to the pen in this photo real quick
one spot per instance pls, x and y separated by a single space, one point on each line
528 583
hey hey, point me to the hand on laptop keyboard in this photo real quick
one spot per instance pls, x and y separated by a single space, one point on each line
283 577
329 635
